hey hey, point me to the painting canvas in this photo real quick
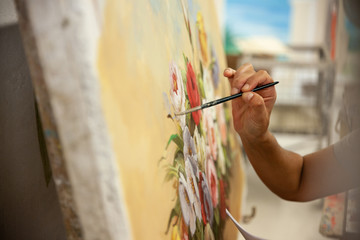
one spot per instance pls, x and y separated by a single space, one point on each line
179 173
109 76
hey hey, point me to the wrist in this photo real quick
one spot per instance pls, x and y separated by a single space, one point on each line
256 141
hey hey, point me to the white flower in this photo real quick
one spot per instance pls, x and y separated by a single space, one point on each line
187 210
177 93
190 149
200 146
208 85
193 189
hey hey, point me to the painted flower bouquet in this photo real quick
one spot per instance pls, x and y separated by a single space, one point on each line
199 168
201 160
200 150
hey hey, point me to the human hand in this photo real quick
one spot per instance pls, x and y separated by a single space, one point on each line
251 112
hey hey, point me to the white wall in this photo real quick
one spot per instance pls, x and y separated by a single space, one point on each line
308 21
7 12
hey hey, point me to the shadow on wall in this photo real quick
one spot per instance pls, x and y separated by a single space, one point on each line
29 208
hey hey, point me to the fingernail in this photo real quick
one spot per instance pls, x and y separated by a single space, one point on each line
249 96
229 71
234 91
245 87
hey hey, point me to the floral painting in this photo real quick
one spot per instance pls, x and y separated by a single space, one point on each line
199 168
178 173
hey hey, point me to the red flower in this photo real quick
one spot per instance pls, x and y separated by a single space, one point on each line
205 199
212 180
202 198
184 230
222 200
193 92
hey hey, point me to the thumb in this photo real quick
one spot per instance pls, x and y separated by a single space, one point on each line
258 119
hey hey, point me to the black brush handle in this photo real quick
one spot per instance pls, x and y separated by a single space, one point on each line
225 99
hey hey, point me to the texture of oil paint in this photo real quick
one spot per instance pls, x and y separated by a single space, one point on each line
146 49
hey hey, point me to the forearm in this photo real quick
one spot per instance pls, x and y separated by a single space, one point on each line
278 168
286 173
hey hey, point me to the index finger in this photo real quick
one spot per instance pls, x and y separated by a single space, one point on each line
259 78
229 73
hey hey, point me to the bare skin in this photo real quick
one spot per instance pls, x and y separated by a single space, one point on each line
288 174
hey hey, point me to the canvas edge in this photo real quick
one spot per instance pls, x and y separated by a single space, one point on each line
60 40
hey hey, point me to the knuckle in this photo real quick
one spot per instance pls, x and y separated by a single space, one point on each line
237 83
245 67
263 72
247 64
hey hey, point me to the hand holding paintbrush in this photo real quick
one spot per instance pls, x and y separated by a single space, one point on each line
251 112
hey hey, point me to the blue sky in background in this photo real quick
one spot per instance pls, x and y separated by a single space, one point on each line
247 18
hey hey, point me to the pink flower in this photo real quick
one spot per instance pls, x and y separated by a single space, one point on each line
210 130
212 179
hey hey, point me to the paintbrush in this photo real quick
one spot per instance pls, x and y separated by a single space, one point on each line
222 100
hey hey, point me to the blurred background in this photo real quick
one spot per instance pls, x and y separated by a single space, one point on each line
311 47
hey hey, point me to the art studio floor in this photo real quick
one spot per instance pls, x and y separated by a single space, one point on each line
277 219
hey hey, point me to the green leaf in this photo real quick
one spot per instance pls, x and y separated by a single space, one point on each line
188 116
227 160
217 216
178 158
177 140
201 68
199 229
228 115
201 128
201 87
212 63
172 172
172 214
182 170
184 78
177 207
185 59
